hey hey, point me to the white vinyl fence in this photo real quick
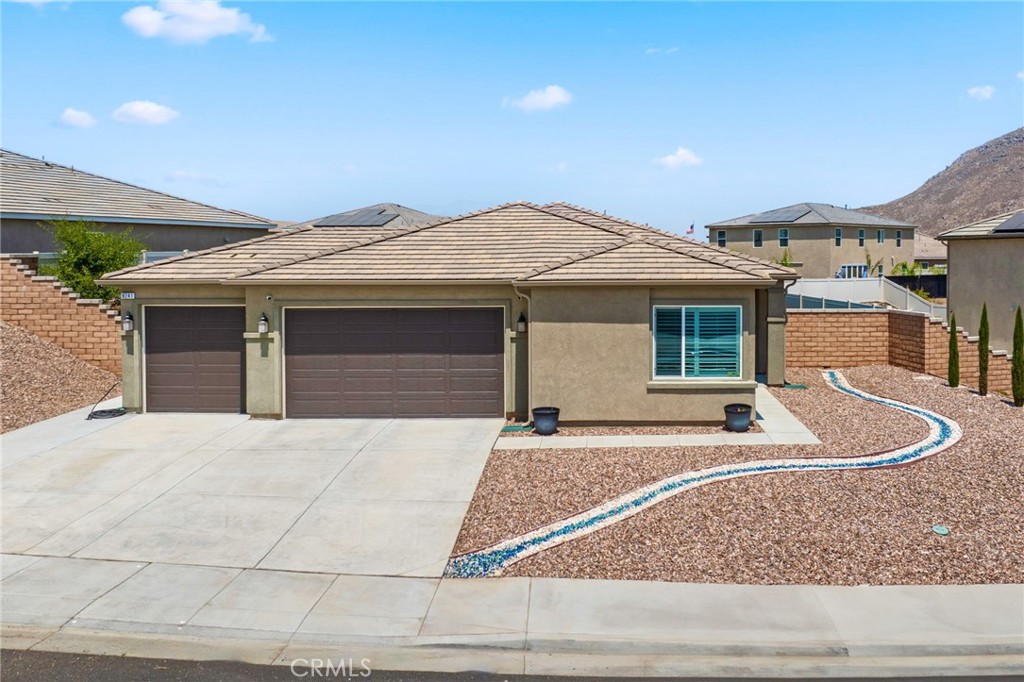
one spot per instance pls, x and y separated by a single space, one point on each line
866 290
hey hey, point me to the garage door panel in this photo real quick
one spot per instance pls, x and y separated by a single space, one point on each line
397 362
195 358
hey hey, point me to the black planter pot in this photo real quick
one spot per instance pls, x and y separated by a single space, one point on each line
737 417
545 420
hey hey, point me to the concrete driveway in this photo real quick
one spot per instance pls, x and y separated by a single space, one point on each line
356 496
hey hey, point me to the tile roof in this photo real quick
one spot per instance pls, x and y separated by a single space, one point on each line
814 214
39 189
377 217
512 242
983 228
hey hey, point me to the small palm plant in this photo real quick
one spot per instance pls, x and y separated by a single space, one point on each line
953 370
983 351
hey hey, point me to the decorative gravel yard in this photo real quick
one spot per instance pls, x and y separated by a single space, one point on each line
824 527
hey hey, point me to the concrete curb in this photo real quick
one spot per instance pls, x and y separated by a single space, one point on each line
596 657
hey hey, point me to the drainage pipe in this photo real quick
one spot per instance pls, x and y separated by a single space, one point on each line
529 351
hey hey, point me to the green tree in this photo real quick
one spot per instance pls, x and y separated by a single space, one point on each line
953 370
87 253
1017 368
983 351
905 269
787 259
873 267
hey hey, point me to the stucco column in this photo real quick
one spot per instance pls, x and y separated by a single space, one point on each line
777 335
263 390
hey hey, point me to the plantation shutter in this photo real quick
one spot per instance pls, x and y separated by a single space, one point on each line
668 342
712 343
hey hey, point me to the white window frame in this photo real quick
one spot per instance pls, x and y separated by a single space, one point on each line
784 237
682 343
880 236
899 238
721 238
754 238
860 269
861 236
839 237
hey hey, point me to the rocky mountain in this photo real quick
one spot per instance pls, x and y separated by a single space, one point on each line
984 181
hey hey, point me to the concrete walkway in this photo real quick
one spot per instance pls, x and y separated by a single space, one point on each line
509 625
778 427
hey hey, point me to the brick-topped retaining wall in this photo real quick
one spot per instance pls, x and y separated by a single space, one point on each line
87 329
851 338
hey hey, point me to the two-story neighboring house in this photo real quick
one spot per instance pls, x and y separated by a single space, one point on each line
820 240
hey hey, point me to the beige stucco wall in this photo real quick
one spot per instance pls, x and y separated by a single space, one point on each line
813 246
592 355
987 271
588 349
28 236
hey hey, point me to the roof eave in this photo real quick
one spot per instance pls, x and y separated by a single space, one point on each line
6 215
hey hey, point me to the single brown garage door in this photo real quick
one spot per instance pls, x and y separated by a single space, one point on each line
431 362
195 359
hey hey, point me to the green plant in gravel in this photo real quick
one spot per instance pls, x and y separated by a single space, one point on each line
983 351
1017 368
87 253
953 370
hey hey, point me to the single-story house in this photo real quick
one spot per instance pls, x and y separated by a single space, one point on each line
35 192
486 314
986 266
821 240
379 217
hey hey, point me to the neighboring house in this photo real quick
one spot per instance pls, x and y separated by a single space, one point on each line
378 217
929 253
823 240
485 314
986 266
34 192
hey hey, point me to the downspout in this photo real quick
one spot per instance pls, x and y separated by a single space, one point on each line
529 352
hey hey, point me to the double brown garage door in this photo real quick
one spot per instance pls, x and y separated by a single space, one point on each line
431 362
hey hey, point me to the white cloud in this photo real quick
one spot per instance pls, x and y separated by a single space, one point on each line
194 178
560 167
680 157
1020 75
193 21
38 3
551 97
73 118
981 93
146 113
661 50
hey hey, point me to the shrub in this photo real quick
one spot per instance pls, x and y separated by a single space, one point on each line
86 253
983 351
953 371
1017 369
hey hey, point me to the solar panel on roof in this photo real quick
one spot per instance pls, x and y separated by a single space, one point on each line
371 217
782 215
1011 224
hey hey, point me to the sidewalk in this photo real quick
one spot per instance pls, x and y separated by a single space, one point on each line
509 625
778 427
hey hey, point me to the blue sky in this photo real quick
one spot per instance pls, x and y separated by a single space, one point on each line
665 113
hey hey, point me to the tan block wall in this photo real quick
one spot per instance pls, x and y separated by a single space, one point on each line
837 339
89 331
853 338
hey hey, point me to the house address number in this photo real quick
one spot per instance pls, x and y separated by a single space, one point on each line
127 295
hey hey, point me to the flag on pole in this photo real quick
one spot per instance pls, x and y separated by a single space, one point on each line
690 231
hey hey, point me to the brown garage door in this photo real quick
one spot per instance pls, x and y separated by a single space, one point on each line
431 362
195 359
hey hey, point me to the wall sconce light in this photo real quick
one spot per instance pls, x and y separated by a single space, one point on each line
521 323
263 326
127 322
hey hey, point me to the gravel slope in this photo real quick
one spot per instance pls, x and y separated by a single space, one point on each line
838 528
39 379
